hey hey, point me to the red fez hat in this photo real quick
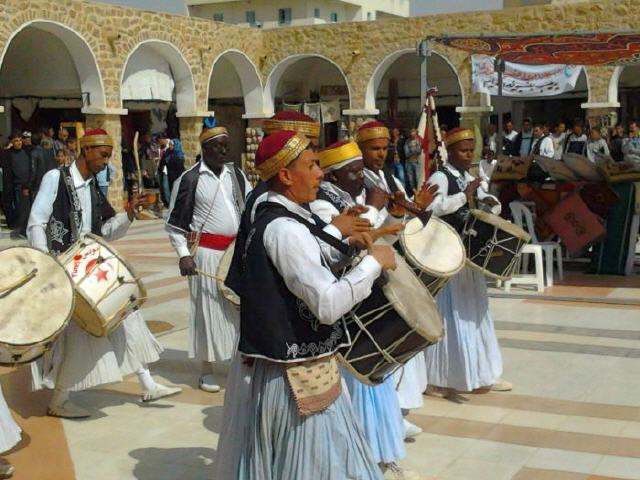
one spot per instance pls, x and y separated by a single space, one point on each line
96 137
277 151
294 121
372 130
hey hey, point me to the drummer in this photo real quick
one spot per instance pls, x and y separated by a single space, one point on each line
373 140
68 205
468 357
206 204
291 328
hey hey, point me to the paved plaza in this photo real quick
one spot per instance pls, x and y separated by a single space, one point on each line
574 413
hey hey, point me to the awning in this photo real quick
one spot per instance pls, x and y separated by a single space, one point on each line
578 48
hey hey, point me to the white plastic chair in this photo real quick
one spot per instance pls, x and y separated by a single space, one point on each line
524 219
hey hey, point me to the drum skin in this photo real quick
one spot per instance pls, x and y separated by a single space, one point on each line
397 321
107 287
493 244
38 307
434 251
221 276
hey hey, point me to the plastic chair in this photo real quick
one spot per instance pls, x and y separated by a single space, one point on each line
524 219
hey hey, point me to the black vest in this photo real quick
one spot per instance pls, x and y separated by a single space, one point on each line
458 218
274 323
332 198
182 212
537 145
65 222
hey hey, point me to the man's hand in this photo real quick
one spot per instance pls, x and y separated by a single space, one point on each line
356 211
135 202
395 209
489 201
349 225
425 195
376 198
394 229
25 191
384 254
471 189
187 266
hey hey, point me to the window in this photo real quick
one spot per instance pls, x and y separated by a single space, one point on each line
218 17
250 17
369 16
284 16
334 16
316 13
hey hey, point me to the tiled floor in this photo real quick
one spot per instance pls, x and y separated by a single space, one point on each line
574 413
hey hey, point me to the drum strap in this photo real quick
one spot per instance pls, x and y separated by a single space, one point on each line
76 207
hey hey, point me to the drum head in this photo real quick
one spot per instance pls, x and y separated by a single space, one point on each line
435 248
502 224
582 167
413 302
36 296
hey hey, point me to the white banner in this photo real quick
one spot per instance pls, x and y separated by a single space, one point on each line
523 80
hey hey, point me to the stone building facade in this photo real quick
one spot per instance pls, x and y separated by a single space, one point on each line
101 38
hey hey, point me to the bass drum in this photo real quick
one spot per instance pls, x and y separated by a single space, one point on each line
221 276
36 301
435 251
396 322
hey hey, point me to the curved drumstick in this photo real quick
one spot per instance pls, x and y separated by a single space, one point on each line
18 283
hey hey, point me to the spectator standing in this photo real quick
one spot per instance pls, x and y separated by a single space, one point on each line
509 139
491 138
61 142
631 144
615 142
104 179
542 143
596 144
558 138
524 140
412 149
393 156
576 141
19 183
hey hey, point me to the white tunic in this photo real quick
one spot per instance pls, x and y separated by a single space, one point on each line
214 322
78 360
468 357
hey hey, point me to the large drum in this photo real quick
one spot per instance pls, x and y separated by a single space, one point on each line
397 321
107 288
36 301
435 251
221 276
492 244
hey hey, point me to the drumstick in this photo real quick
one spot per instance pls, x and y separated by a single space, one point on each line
208 275
18 283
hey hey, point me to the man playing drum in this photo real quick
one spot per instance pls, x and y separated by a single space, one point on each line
291 419
373 139
206 204
468 357
68 206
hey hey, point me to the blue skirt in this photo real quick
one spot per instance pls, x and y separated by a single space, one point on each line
264 437
378 412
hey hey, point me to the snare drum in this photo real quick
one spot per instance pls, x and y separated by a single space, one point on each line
221 276
492 244
435 251
36 301
397 321
107 288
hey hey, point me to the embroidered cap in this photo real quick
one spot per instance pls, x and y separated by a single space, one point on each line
277 151
339 155
293 121
96 137
457 135
372 130
209 134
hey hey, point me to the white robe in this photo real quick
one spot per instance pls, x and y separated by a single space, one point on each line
10 433
77 360
213 322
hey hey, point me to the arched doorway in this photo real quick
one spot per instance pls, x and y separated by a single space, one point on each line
313 84
48 75
629 93
235 95
394 89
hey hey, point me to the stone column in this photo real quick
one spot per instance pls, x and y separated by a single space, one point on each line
111 123
471 117
190 128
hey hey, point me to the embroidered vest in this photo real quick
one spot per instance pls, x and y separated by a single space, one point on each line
274 323
330 196
65 223
458 218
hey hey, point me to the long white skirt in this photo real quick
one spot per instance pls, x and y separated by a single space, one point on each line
411 382
214 322
10 432
79 361
468 357
264 437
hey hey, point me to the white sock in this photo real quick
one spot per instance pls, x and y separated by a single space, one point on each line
59 397
147 382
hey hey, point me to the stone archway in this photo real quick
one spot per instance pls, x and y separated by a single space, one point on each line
161 63
72 81
624 91
325 67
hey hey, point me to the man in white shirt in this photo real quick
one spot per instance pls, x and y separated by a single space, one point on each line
525 138
468 357
509 139
558 138
68 206
542 143
291 328
205 208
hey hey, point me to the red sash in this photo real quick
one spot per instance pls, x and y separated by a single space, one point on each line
215 242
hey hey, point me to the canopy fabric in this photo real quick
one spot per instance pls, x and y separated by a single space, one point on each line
593 48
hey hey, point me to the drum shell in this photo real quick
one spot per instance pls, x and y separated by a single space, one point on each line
101 307
52 302
221 276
